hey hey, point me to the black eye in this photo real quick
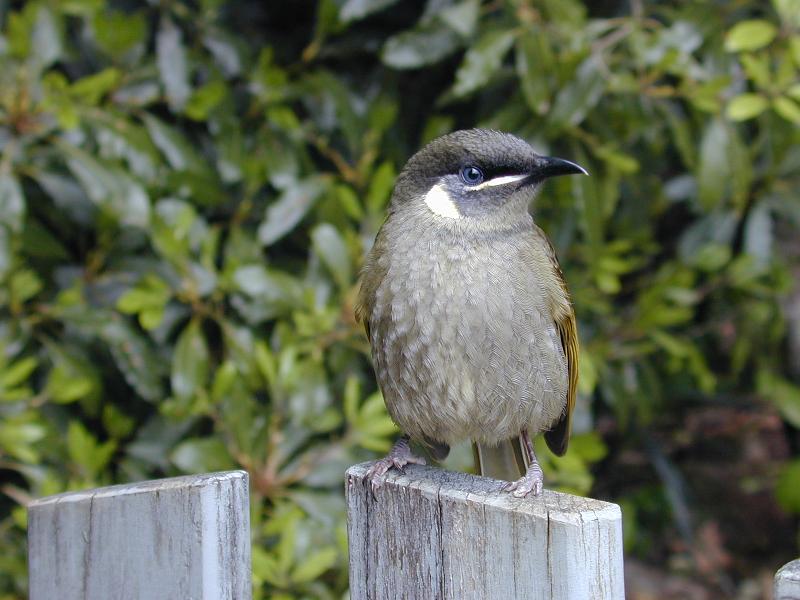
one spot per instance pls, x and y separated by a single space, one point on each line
471 175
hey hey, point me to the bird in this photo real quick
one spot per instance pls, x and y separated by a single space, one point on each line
472 330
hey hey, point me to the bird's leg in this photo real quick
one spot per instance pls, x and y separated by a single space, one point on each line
533 480
527 446
399 456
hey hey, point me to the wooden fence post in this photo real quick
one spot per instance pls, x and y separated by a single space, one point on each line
787 581
434 534
185 537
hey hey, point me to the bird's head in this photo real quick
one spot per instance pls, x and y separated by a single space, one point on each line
472 173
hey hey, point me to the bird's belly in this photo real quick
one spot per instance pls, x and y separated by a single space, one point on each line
465 348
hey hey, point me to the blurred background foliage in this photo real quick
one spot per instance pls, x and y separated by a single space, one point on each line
187 188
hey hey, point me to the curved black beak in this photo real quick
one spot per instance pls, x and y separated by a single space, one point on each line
550 166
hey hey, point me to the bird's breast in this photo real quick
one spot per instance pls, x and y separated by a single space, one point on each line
464 343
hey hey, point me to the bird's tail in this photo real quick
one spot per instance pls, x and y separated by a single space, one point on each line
505 461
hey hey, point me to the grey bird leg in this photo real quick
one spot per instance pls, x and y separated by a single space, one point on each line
399 456
533 480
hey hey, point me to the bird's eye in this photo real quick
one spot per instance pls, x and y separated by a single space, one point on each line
471 175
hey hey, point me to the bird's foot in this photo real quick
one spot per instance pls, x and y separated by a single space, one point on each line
532 482
399 456
528 484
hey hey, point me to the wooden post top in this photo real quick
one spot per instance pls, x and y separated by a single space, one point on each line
142 487
433 534
473 488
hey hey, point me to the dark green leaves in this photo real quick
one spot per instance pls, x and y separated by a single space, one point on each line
353 10
190 365
290 207
12 202
332 250
187 191
172 64
416 48
579 95
482 61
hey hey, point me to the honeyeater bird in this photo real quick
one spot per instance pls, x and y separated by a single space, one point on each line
472 331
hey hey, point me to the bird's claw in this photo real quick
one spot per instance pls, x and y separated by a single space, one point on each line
529 484
399 456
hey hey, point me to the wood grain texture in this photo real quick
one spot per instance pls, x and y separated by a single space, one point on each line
431 534
185 537
787 581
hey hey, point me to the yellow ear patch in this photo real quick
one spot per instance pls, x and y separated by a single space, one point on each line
439 202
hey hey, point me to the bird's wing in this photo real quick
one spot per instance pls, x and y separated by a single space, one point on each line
372 275
557 437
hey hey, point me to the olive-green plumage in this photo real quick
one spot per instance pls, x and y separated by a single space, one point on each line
472 331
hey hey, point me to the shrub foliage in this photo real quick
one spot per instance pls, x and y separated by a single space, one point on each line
187 188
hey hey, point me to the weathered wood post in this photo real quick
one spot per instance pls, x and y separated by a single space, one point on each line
787 581
185 537
434 534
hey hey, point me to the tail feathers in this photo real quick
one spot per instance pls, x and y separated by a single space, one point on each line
505 461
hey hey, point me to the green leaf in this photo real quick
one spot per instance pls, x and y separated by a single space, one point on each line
482 61
178 151
714 169
349 202
18 435
332 250
315 564
355 10
204 99
17 373
12 202
461 17
69 381
789 11
134 358
424 45
759 235
782 393
787 108
5 255
172 64
24 285
712 257
757 67
125 140
118 34
794 92
750 35
109 187
589 446
787 489
201 455
291 206
19 29
380 187
190 364
92 88
579 96
147 299
746 106
794 47
86 451
534 61
46 46
257 281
